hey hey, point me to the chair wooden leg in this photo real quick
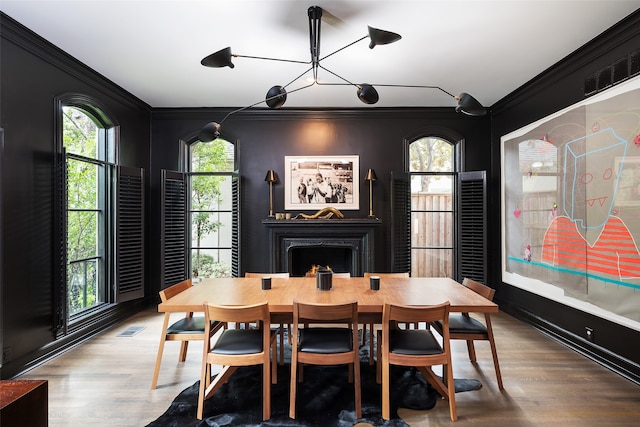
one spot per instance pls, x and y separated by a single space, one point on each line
472 351
266 388
163 336
356 386
494 351
386 409
182 356
371 334
294 384
451 388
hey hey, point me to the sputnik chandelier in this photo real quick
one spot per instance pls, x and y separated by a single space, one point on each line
277 95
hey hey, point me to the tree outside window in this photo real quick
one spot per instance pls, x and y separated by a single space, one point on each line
210 178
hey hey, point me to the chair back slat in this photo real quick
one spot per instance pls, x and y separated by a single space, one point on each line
274 275
479 288
325 312
412 314
230 313
174 290
388 275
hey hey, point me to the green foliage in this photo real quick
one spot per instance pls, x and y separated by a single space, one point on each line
80 138
206 195
208 266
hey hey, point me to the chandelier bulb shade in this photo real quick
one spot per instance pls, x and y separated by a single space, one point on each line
378 36
219 59
209 132
276 97
367 93
470 106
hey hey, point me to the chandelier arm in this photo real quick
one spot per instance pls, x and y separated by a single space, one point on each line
305 72
338 76
342 48
271 59
415 86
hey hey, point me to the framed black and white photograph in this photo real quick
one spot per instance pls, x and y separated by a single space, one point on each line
315 182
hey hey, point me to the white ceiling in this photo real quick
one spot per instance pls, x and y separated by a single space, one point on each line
153 48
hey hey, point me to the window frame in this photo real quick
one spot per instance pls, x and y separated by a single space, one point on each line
457 144
108 146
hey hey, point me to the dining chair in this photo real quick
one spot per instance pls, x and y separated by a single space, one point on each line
464 327
330 337
371 325
415 347
280 320
234 348
188 328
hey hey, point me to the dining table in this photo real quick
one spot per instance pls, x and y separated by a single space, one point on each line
284 291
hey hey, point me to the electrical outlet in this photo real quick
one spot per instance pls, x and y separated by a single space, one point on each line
589 333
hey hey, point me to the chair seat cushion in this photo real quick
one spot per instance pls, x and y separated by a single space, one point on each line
413 342
464 324
325 340
239 341
187 325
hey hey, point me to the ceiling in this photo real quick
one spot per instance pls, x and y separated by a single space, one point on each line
153 48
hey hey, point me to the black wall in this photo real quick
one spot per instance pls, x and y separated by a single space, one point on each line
32 73
265 137
561 86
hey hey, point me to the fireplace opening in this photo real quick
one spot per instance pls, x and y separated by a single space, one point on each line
303 258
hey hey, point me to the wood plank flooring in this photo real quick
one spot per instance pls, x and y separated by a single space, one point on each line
106 382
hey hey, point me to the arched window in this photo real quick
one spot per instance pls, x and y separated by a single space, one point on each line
432 167
212 208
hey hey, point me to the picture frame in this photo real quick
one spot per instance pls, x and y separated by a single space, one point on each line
315 182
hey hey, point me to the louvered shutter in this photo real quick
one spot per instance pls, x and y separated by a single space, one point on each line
472 237
130 235
400 222
173 228
235 225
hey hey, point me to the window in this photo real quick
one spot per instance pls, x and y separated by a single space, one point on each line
89 147
212 208
432 173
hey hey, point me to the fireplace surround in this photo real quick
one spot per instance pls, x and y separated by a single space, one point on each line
345 245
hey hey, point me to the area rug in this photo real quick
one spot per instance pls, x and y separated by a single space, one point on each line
324 399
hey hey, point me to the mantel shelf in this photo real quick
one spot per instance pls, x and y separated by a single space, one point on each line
333 222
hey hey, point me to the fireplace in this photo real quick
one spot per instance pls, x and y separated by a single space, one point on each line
345 245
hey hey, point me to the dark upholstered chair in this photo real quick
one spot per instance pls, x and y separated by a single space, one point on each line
415 347
329 337
464 327
188 328
238 347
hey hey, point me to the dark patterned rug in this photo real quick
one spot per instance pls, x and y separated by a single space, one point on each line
325 398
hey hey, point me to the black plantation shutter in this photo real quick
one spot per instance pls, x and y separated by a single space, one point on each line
130 234
174 228
472 253
60 246
400 222
235 225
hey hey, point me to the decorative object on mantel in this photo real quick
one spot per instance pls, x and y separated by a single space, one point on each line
366 92
271 178
324 213
371 176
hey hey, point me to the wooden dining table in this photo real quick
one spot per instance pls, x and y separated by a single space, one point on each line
284 291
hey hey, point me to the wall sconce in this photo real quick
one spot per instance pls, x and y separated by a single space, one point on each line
271 178
371 176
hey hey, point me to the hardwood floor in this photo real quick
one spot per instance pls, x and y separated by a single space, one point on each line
106 382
